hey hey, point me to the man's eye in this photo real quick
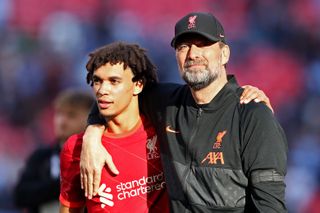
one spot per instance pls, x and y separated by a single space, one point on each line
95 79
114 81
182 47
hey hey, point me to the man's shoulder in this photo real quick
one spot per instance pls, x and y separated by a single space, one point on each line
148 127
165 89
254 113
254 108
43 150
41 154
73 145
162 95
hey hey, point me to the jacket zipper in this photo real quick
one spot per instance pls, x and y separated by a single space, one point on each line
189 155
194 132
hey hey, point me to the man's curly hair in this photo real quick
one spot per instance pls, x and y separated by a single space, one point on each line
131 55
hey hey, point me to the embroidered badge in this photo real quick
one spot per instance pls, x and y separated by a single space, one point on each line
192 22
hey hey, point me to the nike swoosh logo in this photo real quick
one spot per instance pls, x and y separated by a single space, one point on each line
169 129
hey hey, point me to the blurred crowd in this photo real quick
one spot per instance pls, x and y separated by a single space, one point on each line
275 45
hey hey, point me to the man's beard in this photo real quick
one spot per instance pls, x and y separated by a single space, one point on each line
199 79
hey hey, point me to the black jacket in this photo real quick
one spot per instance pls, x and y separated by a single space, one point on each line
36 185
221 156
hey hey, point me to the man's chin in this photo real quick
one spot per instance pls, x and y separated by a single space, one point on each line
106 114
197 86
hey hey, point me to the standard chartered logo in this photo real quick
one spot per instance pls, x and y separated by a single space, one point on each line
105 196
130 189
139 187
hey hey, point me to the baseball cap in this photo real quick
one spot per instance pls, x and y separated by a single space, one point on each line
204 24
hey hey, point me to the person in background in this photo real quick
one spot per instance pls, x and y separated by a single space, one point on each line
38 187
218 155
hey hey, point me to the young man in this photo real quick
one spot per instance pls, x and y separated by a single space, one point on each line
38 187
118 73
217 154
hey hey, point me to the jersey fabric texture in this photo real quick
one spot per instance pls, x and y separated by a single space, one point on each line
218 157
140 186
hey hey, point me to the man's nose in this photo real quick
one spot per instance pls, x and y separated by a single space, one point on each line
105 88
194 51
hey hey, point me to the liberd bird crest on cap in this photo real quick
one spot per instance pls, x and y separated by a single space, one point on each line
192 22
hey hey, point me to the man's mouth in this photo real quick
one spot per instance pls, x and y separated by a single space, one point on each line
194 65
104 104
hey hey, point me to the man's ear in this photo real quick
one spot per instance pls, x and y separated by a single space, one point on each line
137 87
225 54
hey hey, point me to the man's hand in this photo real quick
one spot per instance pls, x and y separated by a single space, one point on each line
92 160
253 93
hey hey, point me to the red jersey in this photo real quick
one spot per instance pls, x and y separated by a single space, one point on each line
140 186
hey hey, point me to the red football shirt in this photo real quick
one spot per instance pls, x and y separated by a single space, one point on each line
140 186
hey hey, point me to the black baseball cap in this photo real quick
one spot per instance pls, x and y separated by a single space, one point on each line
204 24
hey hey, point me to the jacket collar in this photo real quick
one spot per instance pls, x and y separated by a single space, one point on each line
231 88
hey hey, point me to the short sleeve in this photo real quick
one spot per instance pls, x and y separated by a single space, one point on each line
71 194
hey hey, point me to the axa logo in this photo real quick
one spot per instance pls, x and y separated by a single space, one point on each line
216 157
192 22
105 196
213 158
153 152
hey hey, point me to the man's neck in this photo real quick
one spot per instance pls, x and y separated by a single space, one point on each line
119 127
205 95
124 122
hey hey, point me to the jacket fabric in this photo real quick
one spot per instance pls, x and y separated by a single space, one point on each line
39 182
